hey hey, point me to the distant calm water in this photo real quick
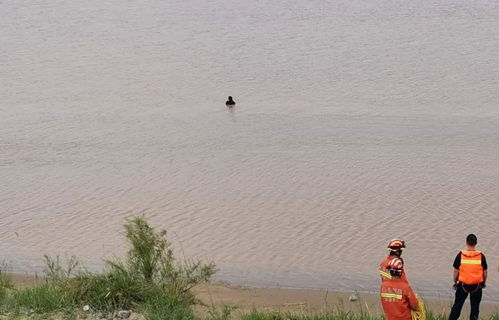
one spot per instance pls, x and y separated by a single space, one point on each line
357 121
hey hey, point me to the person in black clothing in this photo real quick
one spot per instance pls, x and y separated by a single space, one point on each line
470 275
230 102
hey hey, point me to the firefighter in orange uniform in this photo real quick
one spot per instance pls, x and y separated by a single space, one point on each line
395 248
397 297
470 275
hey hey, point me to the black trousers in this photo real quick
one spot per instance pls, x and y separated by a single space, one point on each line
462 291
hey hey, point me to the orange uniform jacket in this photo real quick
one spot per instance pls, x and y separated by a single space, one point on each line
398 299
385 274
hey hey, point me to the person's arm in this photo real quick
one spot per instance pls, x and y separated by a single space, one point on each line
456 277
485 267
413 300
456 265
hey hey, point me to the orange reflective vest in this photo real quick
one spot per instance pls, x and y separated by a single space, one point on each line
471 270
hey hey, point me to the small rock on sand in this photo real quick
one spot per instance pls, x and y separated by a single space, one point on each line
354 297
123 314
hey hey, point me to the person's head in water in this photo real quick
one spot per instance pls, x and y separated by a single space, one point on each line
230 102
471 240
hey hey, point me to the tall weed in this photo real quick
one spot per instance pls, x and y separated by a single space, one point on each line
151 257
6 283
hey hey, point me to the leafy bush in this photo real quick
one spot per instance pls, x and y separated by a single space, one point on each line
150 273
149 279
151 257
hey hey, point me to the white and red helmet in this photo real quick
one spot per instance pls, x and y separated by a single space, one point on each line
396 264
396 245
395 267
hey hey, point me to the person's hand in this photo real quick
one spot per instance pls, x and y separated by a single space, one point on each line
483 285
454 286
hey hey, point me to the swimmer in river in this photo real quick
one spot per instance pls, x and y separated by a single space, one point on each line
230 102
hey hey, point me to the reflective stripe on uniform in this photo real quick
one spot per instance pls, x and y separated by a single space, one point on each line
466 261
391 295
471 269
385 274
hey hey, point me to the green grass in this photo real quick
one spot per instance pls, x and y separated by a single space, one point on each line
40 299
333 315
165 306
